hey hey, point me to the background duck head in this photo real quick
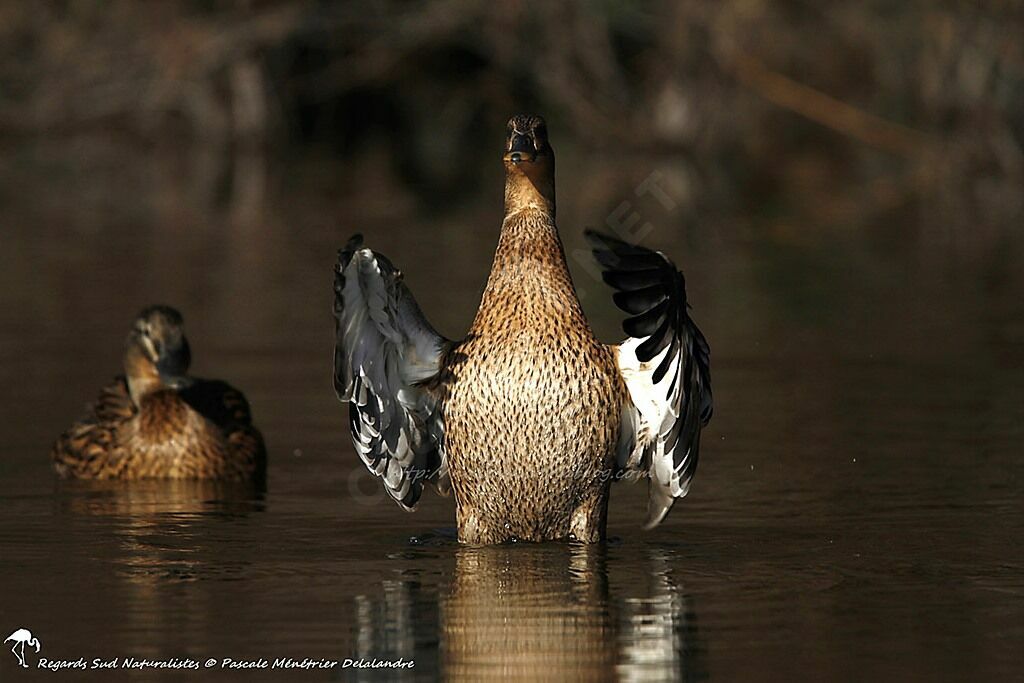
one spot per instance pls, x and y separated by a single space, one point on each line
157 354
529 165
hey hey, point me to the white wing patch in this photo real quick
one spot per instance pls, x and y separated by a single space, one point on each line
657 410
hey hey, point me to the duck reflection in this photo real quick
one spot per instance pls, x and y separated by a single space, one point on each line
528 614
143 501
161 527
153 536
546 612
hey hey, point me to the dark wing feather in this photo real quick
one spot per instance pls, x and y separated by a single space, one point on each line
227 409
666 365
385 353
218 402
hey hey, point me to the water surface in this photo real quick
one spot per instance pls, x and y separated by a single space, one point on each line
856 514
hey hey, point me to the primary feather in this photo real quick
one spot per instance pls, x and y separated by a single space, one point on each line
665 362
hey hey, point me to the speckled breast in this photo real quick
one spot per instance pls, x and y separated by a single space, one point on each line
531 423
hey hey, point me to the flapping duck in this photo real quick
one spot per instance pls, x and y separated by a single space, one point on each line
157 422
529 417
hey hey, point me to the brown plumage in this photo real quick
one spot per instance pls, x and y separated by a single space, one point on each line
532 411
529 417
157 422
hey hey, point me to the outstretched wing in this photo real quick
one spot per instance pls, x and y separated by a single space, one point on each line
386 352
665 363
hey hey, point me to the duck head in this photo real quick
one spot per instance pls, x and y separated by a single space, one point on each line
157 354
529 165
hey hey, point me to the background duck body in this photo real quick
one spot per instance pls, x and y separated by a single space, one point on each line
146 426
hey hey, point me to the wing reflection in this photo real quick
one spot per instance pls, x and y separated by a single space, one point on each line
537 613
662 628
401 623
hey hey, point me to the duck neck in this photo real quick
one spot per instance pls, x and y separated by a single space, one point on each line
528 232
530 189
529 286
142 376
529 241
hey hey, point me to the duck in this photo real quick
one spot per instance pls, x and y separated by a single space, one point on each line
528 419
157 422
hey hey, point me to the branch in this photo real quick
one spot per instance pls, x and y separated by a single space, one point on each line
815 105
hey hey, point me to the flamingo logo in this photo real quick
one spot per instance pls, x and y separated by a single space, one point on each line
20 638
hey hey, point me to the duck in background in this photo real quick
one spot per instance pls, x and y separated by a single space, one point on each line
157 422
529 417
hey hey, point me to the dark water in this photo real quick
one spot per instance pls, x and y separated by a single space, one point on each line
856 516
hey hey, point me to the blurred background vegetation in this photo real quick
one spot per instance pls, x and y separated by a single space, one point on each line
815 155
864 107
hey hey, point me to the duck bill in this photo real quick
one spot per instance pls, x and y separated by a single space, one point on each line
520 148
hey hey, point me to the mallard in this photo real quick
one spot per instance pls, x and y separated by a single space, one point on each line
529 417
157 422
